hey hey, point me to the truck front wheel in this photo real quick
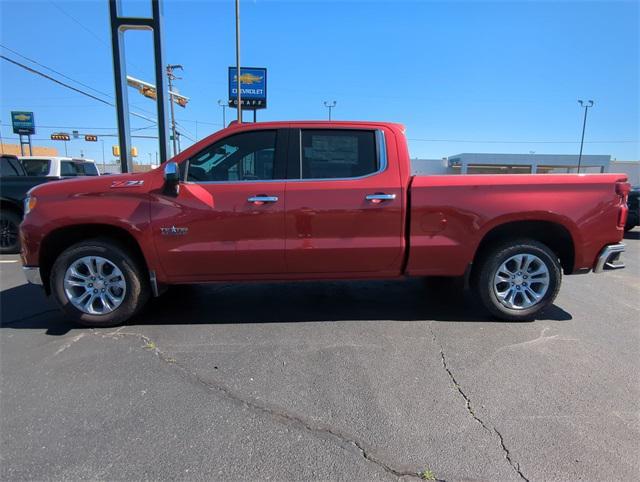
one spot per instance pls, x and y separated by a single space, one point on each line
98 284
9 225
517 280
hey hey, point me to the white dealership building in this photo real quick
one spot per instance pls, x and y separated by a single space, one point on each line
484 163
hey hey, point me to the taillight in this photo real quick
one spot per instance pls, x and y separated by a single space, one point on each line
622 189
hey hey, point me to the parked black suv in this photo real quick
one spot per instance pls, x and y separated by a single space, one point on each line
14 184
633 201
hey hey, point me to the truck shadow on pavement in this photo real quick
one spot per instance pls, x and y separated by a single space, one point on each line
25 307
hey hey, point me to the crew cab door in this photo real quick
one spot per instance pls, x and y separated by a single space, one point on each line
344 204
228 218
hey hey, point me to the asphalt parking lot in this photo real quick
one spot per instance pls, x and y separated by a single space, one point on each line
349 381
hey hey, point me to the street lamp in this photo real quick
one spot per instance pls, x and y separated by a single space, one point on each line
330 105
586 106
223 104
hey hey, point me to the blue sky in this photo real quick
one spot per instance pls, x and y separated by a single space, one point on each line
462 76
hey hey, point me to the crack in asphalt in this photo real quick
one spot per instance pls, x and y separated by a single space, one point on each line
343 440
507 454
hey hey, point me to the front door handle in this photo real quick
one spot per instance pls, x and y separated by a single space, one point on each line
379 197
262 199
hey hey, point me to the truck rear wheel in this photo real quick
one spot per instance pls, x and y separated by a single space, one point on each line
517 280
98 284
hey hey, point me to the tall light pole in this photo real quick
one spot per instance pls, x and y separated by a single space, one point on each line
238 83
223 104
103 166
171 77
330 105
586 106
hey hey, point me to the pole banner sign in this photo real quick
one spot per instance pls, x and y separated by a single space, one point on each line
253 82
23 122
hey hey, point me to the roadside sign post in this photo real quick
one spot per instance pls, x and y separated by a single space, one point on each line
253 89
24 124
120 24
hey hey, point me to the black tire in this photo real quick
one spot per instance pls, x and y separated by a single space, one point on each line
632 222
137 285
9 227
491 260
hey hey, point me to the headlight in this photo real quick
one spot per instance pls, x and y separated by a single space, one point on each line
29 204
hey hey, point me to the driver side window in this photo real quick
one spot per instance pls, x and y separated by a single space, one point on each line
248 156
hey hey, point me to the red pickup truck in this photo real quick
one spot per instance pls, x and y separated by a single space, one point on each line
315 200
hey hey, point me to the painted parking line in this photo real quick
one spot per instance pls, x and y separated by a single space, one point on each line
8 261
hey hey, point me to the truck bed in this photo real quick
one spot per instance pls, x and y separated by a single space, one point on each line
450 215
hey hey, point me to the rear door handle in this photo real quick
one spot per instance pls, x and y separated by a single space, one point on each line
379 197
262 199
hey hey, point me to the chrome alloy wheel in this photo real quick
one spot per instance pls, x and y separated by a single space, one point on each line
8 233
521 281
94 285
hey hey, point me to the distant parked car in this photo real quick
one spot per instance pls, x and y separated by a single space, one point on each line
14 185
59 166
633 201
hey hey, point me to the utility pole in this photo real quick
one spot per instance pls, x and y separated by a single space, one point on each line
171 77
586 106
330 105
223 104
103 166
238 83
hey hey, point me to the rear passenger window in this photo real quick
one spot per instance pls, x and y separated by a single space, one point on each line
331 154
87 168
68 168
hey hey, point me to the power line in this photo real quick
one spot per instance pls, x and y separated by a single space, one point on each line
48 77
200 122
67 77
42 74
183 129
54 71
86 29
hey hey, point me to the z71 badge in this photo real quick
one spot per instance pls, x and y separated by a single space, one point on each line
127 183
173 231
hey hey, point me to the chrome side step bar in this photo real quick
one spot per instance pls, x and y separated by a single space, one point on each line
609 258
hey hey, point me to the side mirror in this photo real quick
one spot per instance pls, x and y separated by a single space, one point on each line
171 178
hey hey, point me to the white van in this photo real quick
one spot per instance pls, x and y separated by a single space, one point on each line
59 166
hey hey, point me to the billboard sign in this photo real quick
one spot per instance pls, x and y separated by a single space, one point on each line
253 85
23 122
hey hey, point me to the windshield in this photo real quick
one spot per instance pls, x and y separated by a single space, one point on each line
36 167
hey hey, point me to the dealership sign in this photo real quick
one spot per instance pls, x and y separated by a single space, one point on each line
23 122
253 88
